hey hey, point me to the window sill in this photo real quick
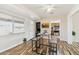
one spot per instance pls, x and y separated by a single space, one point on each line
11 34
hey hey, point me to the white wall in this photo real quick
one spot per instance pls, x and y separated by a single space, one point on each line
63 26
72 20
75 23
9 41
12 40
29 29
64 33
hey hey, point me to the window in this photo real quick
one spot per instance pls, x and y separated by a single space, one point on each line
18 27
8 27
5 27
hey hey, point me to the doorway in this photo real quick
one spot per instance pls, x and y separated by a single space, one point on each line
38 29
55 32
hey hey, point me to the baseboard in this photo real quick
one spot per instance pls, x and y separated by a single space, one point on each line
11 47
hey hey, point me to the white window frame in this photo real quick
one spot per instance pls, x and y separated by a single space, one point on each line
14 26
12 32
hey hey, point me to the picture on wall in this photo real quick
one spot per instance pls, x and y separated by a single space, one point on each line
45 25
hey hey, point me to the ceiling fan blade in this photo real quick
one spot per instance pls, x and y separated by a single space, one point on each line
48 6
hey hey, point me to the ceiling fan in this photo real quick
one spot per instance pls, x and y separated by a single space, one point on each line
48 8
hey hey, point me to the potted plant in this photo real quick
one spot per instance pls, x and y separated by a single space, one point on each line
24 40
73 33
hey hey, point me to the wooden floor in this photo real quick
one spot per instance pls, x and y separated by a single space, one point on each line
22 49
67 49
26 49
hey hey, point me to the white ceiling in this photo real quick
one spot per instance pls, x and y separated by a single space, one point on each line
34 10
60 9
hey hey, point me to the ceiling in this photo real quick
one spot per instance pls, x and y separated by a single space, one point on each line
34 10
60 9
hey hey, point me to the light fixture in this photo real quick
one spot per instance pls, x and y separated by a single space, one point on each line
48 8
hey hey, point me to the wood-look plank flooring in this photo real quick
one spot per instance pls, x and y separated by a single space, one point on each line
26 49
22 49
67 49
